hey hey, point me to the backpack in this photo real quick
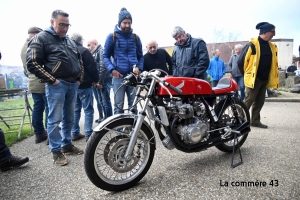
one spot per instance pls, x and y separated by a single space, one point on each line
115 38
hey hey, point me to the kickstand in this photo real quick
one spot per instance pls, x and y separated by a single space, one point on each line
241 161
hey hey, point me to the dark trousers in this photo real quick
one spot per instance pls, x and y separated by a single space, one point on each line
256 98
5 154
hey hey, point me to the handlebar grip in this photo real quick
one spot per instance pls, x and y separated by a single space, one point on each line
174 88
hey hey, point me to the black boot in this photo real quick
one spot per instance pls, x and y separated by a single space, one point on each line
14 161
40 137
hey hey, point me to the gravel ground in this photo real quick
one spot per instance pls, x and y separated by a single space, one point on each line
271 157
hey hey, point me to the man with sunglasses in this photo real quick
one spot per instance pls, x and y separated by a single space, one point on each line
259 64
56 61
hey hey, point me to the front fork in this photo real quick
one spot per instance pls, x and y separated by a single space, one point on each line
139 121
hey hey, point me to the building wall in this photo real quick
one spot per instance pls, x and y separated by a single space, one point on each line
285 50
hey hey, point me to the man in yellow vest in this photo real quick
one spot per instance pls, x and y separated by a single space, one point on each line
259 64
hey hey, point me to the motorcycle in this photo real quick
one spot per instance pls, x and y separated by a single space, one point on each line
185 113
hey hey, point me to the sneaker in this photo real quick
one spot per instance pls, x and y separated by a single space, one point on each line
40 137
14 161
59 158
80 136
71 149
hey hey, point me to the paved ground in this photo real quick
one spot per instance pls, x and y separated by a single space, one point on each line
270 155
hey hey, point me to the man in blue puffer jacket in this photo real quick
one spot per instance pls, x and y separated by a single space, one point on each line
126 50
216 69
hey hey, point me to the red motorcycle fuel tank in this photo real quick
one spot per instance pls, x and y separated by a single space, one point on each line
189 86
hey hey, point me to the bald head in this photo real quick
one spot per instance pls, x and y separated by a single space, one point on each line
152 46
92 44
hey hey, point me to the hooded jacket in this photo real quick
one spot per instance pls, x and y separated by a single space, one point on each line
124 53
249 60
190 59
50 57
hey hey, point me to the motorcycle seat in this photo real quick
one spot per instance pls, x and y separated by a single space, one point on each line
224 85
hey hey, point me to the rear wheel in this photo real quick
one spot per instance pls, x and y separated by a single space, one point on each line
104 160
227 119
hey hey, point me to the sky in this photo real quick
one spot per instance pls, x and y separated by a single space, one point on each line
153 19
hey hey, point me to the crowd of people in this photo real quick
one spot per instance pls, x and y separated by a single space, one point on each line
65 77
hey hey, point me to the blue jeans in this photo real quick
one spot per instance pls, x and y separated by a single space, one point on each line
106 97
214 83
120 95
240 81
39 106
84 100
98 97
5 154
61 102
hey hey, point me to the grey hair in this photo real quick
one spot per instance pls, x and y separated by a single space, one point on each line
55 13
177 30
238 46
76 37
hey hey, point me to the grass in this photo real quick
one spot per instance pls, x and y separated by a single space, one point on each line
13 119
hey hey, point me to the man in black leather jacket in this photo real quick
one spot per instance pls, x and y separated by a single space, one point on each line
190 57
55 59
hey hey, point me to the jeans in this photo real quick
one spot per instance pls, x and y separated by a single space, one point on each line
240 81
61 102
98 97
5 154
214 83
120 95
84 100
106 97
39 105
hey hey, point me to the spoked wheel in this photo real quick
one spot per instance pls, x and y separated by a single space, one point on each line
227 119
104 159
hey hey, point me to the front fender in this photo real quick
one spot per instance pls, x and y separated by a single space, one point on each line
117 117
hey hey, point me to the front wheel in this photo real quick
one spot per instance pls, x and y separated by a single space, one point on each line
104 160
226 117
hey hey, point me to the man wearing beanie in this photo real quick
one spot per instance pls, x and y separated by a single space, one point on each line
37 90
259 64
125 48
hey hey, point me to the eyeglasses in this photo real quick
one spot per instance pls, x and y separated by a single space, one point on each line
272 32
63 25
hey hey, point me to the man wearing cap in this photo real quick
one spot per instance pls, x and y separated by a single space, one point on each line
55 59
126 50
37 90
259 64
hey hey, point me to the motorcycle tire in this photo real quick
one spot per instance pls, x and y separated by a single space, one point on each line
104 160
226 117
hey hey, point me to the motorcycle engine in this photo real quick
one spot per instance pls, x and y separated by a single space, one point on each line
192 125
192 130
